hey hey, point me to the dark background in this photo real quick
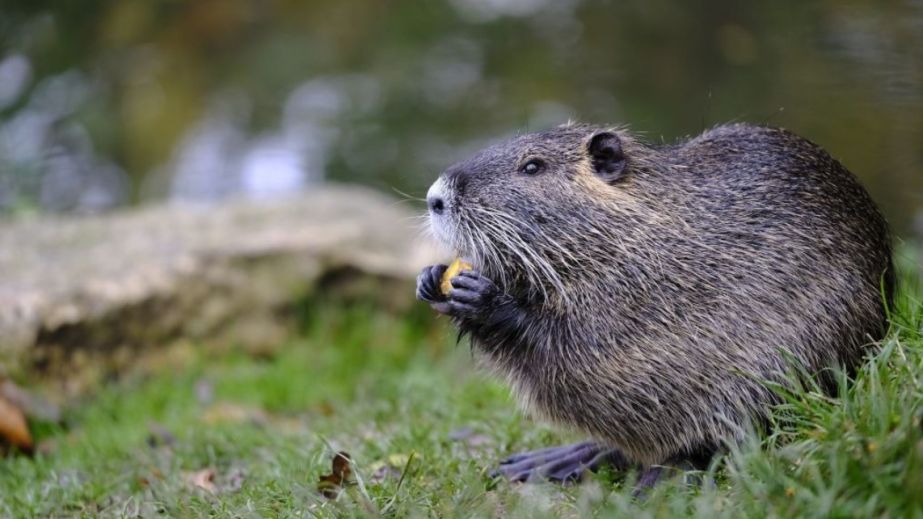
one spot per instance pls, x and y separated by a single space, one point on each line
105 103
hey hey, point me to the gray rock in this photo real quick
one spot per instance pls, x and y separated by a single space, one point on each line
72 288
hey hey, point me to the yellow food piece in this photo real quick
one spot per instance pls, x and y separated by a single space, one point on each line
454 268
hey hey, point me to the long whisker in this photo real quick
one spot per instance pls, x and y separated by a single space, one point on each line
407 196
541 274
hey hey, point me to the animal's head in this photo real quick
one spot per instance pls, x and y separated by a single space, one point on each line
517 208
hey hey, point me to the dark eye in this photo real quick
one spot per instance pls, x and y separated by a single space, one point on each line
532 167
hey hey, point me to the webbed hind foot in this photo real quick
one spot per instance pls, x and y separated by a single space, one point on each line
565 464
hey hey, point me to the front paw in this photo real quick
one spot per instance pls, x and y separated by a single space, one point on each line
428 284
473 297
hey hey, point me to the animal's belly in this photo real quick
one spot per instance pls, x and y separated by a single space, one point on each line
649 415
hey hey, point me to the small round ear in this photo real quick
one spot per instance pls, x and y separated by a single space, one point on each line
605 149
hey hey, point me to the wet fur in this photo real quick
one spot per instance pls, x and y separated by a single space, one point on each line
649 312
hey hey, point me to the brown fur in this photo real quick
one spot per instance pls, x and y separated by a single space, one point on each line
655 307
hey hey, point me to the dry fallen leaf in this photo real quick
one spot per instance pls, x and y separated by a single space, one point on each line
330 485
203 479
209 480
13 427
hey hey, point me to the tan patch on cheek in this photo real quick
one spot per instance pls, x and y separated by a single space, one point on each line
584 169
598 190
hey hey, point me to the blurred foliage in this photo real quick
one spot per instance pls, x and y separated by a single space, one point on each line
109 102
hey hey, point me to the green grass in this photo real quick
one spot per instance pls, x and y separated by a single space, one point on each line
393 388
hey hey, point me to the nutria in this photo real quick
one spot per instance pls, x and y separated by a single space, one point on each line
645 295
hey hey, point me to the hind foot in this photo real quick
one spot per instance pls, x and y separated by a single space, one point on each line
566 464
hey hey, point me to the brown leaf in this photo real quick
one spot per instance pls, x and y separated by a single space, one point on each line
13 427
211 481
330 485
203 479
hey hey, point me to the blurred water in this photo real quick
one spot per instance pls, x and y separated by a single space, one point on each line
112 103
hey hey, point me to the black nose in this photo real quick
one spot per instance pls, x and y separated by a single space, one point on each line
436 204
